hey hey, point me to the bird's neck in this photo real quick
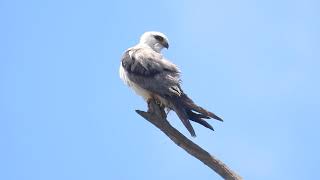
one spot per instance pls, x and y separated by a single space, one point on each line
156 47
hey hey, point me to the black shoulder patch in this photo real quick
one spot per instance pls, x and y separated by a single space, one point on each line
130 64
126 60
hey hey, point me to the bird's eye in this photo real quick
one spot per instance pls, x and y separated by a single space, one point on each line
159 38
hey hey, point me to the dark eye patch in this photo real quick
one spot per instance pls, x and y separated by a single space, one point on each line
159 38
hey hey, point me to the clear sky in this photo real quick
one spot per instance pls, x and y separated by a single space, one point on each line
65 114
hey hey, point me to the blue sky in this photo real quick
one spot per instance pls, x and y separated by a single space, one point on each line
65 114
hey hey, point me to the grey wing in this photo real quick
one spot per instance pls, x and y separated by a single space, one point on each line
150 71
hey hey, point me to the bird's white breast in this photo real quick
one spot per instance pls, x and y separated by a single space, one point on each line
139 90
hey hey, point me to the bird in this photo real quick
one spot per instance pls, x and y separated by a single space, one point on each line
144 68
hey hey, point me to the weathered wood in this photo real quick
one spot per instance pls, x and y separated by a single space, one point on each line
157 116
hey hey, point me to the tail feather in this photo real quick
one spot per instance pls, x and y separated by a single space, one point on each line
183 116
187 110
197 118
191 105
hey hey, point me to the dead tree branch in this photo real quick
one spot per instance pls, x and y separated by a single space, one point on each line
157 116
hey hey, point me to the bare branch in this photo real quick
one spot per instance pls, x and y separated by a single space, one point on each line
157 116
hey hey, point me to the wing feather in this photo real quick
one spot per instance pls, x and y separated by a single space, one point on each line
151 71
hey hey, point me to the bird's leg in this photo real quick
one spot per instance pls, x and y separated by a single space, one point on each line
150 107
158 102
156 107
152 101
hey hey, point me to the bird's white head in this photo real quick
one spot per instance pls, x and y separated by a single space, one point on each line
156 40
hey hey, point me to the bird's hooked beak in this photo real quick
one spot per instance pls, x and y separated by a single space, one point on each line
165 44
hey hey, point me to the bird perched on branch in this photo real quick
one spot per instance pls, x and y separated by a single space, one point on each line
153 77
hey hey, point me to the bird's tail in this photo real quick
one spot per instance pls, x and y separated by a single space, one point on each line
187 110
